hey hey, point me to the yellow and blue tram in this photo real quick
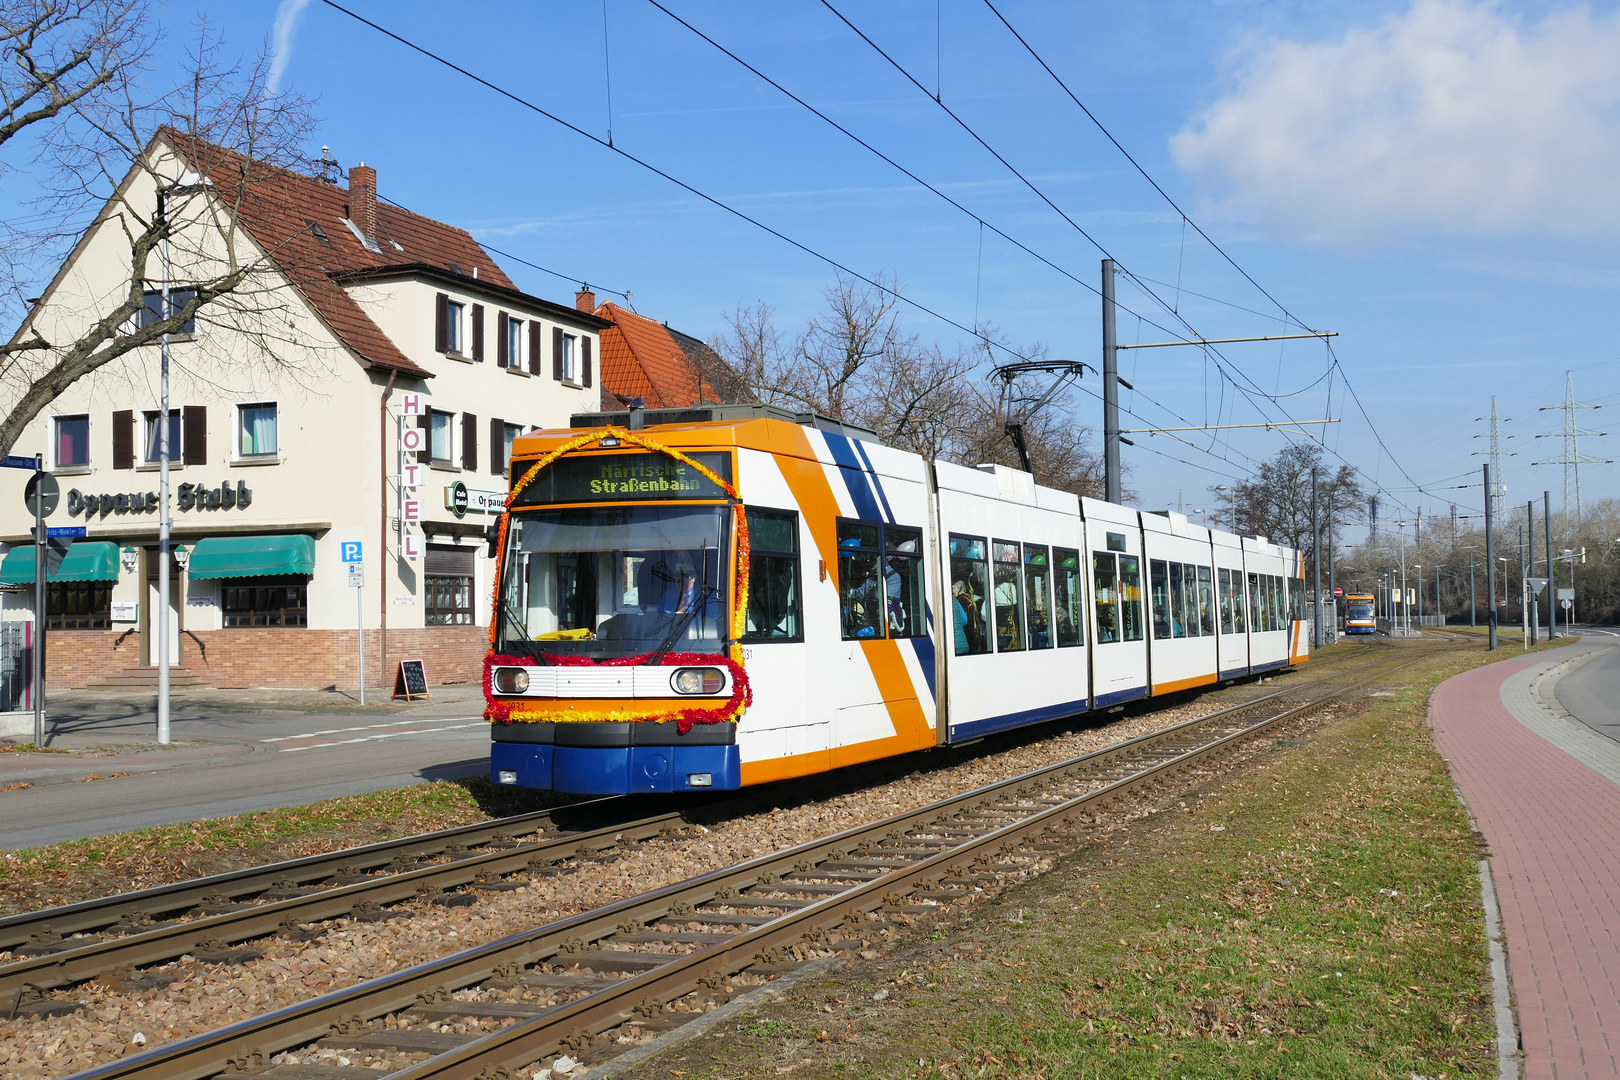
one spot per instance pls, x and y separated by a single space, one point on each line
735 595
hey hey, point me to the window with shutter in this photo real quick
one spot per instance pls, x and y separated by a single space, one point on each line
500 340
194 436
497 450
123 433
557 353
534 346
469 441
441 323
584 360
478 333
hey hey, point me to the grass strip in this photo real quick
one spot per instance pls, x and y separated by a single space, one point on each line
1316 914
99 866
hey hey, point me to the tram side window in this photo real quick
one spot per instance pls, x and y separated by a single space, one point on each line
903 582
773 576
1106 573
1009 587
970 587
1274 596
1240 621
1159 596
859 581
1296 599
1206 606
1067 615
1130 597
1223 581
1038 595
1257 610
1178 602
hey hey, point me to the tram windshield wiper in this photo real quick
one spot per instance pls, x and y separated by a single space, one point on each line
700 601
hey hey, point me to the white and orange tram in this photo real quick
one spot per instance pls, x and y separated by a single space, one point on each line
733 595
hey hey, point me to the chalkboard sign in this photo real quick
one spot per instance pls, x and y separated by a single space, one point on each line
411 682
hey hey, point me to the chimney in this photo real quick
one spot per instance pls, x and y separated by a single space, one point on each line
363 200
585 300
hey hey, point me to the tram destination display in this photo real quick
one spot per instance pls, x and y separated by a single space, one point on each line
625 477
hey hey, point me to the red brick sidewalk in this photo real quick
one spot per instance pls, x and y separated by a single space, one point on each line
1553 826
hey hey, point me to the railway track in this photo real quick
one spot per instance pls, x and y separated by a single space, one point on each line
212 918
600 982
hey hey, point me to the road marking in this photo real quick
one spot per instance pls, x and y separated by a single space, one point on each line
368 738
374 727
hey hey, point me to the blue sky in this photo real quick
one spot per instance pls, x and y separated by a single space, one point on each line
1431 181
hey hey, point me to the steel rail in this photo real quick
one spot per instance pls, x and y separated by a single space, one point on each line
93 915
68 963
248 1045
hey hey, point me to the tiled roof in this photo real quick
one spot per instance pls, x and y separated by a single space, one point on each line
640 358
280 208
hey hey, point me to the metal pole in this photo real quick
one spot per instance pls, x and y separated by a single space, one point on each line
1316 567
1490 564
39 607
163 503
1532 609
1406 609
1439 612
1333 594
360 638
1111 466
1552 567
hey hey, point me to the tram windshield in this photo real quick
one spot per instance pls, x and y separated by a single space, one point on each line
615 581
1359 611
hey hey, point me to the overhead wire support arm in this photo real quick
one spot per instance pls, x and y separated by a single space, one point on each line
1223 427
1229 340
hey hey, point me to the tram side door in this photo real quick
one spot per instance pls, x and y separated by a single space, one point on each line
1119 651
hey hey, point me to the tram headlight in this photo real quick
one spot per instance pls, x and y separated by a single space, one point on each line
698 680
511 680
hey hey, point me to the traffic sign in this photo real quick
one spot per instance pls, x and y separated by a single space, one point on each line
1566 604
1536 585
43 489
1338 592
351 551
78 532
357 575
1566 594
15 461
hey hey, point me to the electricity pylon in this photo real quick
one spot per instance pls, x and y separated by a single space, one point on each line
1572 459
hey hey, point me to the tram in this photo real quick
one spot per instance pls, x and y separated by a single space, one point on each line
1360 613
717 597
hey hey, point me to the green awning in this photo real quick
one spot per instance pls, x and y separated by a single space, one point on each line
86 560
252 556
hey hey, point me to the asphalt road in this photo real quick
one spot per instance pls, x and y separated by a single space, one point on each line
1590 691
222 763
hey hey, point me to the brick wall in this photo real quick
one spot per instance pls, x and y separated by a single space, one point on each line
274 657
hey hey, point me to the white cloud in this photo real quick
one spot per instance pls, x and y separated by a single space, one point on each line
287 15
1454 117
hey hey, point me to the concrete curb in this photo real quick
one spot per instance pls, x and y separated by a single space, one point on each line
1507 1028
697 1027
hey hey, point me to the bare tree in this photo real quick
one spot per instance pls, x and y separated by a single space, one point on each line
1276 501
172 172
55 54
853 363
